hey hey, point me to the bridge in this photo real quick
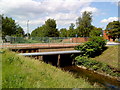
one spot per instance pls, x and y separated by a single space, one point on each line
57 54
56 58
50 53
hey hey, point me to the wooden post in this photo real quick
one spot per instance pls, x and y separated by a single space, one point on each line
58 61
32 51
21 51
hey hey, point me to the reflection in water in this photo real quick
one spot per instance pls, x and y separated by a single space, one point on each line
93 77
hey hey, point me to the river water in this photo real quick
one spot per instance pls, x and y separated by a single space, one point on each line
93 77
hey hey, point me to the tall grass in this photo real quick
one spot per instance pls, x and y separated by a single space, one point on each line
23 72
110 56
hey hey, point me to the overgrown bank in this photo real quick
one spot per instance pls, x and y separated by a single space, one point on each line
91 49
96 66
110 56
23 72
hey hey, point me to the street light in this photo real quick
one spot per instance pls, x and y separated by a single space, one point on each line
28 28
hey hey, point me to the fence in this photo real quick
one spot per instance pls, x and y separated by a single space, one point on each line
46 39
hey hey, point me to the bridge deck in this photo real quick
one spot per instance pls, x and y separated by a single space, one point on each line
38 45
50 53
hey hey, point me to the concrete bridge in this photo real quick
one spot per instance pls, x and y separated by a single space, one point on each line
56 54
56 58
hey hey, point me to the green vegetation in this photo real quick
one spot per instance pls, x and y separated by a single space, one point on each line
102 63
23 72
83 28
23 40
110 56
93 47
83 23
96 65
113 30
96 32
9 27
46 30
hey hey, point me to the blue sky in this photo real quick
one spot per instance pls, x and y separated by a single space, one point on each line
63 11
107 10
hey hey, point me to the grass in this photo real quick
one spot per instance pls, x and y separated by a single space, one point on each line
23 72
110 56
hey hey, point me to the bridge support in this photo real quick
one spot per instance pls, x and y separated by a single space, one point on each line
58 61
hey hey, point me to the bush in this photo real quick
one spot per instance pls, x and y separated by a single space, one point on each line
85 61
93 47
100 40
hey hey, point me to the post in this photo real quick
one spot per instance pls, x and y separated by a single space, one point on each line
58 61
28 28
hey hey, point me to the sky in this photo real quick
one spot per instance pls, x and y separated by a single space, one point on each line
64 12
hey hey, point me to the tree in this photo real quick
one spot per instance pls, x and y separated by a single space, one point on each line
96 32
39 32
113 29
46 30
9 27
63 32
19 31
50 28
71 31
84 24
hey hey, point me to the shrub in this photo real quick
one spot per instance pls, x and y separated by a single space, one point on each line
100 40
93 47
85 61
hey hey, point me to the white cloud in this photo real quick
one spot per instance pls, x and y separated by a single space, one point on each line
110 19
89 9
38 11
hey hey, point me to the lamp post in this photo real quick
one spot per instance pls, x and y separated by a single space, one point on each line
28 28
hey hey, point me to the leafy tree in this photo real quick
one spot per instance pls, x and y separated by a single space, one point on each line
84 24
39 32
113 29
96 32
19 31
9 27
63 32
46 30
71 31
50 28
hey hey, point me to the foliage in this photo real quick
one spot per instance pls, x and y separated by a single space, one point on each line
84 24
93 47
63 32
72 32
113 29
95 65
46 30
23 72
23 40
96 32
9 27
50 27
99 40
38 32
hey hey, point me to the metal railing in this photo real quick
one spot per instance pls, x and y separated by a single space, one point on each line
18 40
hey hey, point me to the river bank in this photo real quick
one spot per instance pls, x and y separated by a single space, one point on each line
94 77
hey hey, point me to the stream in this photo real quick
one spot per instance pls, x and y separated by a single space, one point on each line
92 77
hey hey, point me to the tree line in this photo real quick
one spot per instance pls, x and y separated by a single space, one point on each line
84 28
